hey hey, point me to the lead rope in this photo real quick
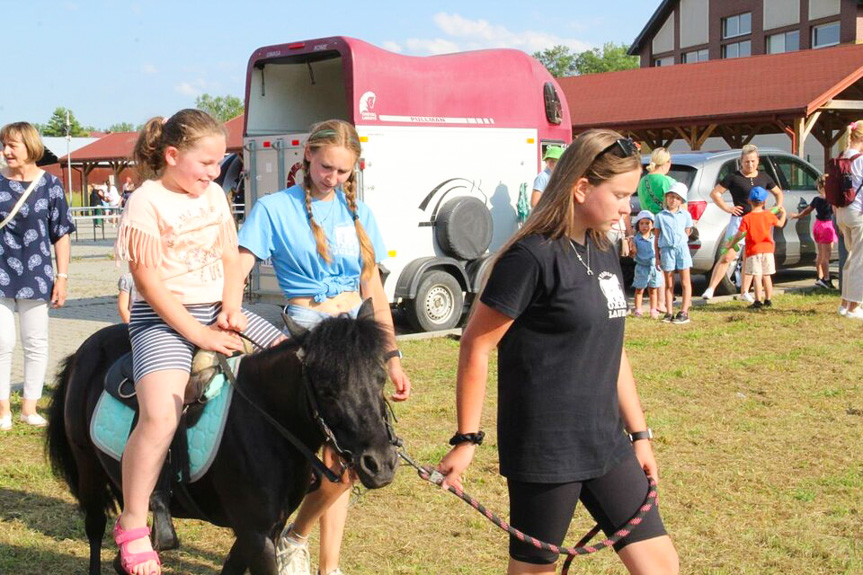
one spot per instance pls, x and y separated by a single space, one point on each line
580 548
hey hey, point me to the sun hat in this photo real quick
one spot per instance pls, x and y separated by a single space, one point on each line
553 153
643 214
678 188
757 194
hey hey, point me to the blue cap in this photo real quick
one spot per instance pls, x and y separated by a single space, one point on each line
757 194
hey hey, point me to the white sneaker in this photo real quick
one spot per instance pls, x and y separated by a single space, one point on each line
748 297
34 419
336 572
843 311
708 293
856 313
292 558
6 422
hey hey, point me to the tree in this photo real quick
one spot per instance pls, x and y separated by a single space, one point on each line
610 58
559 61
221 108
121 127
56 126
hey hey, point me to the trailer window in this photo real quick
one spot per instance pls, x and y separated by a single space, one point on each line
553 108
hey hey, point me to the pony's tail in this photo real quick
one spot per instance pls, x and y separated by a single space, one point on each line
56 443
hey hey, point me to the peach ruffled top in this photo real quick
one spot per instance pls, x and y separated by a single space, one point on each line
181 237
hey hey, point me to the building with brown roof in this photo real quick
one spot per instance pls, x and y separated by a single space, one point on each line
810 92
689 31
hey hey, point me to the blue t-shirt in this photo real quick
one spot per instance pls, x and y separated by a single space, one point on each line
645 253
26 271
672 226
278 229
541 180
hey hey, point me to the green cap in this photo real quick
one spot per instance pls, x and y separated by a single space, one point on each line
553 153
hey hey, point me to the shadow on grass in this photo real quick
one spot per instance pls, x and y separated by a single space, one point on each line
58 520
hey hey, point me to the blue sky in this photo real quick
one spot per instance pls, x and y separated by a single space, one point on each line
115 61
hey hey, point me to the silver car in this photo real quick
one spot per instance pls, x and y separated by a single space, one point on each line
701 171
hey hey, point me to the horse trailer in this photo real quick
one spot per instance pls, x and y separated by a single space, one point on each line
448 143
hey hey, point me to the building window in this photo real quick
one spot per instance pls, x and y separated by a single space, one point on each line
737 49
695 56
825 35
667 61
785 42
739 25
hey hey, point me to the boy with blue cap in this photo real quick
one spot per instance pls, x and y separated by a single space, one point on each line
758 226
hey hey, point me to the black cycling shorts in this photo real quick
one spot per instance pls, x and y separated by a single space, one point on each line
544 510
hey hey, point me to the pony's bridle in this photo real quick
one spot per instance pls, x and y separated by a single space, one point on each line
329 437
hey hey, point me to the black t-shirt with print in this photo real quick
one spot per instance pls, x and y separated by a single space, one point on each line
558 364
740 186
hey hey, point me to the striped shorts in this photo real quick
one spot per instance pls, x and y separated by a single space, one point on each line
156 346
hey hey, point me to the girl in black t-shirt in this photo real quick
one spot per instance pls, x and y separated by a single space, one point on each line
554 306
823 232
739 184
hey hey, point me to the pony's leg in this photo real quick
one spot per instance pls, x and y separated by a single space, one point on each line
94 497
255 551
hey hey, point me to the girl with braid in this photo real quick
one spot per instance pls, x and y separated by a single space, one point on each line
324 246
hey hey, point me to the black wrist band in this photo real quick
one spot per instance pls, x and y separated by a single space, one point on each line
475 438
637 435
393 353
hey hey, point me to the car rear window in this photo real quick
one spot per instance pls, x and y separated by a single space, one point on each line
685 174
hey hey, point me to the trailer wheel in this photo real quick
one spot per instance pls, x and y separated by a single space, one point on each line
438 304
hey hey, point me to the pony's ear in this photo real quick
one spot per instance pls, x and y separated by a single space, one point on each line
367 310
298 332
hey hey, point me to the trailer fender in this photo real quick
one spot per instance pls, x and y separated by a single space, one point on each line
409 280
477 270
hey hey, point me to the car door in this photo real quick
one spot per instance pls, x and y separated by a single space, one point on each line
797 180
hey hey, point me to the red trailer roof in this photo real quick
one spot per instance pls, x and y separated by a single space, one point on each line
501 87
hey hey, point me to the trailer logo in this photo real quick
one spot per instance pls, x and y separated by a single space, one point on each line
367 105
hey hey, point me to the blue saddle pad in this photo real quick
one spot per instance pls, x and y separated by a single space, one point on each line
112 423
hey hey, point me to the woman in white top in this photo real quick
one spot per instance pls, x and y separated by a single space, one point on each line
850 221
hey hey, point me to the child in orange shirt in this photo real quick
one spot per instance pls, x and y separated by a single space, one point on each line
758 226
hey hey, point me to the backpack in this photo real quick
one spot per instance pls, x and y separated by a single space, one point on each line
838 188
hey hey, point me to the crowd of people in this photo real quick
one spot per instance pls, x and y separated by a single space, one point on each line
553 305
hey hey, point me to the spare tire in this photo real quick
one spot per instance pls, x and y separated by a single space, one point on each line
463 228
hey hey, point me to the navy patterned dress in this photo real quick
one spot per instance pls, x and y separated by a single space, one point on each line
26 271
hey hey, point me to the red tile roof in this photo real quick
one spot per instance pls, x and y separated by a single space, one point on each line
119 145
116 146
792 84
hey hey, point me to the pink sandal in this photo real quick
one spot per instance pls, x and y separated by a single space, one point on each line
125 561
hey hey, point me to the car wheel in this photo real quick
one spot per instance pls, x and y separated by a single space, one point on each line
438 304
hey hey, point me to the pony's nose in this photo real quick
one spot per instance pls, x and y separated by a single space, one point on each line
379 468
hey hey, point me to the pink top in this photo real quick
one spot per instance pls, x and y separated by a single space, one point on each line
180 235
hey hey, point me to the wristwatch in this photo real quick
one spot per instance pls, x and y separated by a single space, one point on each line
637 435
393 353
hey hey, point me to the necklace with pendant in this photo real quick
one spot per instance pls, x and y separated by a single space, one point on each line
586 265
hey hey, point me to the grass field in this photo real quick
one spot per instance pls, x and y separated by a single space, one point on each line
759 423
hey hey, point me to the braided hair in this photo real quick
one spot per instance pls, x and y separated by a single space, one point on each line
337 133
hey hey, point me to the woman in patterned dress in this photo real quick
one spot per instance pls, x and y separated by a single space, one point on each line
28 280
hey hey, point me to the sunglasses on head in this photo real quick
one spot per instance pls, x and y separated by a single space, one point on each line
622 148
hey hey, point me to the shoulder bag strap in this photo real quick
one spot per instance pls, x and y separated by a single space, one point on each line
22 199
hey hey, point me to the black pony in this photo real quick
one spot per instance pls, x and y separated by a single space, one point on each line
258 478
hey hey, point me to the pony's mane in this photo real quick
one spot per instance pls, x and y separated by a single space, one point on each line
334 339
341 337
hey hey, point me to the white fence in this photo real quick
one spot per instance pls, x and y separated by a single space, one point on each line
92 220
